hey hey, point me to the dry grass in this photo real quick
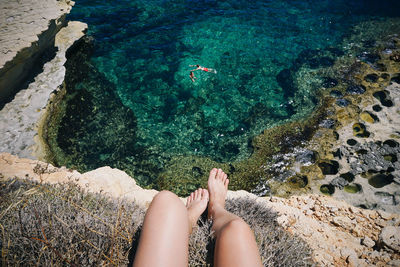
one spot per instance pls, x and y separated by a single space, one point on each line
60 225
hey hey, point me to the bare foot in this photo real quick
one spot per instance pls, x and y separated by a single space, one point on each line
217 188
196 204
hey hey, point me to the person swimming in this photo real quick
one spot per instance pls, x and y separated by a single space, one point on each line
192 77
203 69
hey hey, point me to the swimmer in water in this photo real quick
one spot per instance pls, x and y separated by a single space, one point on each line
192 77
203 68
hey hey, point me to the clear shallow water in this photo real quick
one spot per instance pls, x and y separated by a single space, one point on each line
268 56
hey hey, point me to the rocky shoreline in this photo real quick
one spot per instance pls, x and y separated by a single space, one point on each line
22 117
339 234
352 155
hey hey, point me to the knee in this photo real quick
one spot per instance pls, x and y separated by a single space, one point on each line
238 227
168 199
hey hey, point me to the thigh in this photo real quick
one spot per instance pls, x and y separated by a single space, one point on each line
165 234
236 246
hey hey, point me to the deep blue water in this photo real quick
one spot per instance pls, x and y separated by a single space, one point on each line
269 56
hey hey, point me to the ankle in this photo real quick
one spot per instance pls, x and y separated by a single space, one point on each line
215 208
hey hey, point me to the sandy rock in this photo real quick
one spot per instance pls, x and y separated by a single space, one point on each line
331 236
19 132
346 253
394 263
111 182
344 222
390 237
30 28
384 215
368 242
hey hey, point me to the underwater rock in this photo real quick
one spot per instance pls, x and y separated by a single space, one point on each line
395 57
329 167
396 78
342 102
372 78
197 171
383 97
376 108
230 151
322 62
369 57
339 182
327 123
385 76
391 143
285 80
348 176
351 142
327 189
379 67
336 94
369 44
329 82
380 180
314 58
298 181
355 89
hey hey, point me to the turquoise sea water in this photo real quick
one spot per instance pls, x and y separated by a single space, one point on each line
269 56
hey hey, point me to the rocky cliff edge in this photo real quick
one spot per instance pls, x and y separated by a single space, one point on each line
338 233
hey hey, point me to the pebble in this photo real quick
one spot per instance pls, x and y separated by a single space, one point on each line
341 221
384 215
342 102
368 242
390 237
355 89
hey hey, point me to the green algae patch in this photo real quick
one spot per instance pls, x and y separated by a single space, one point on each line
327 189
353 188
359 130
368 117
298 181
184 174
380 180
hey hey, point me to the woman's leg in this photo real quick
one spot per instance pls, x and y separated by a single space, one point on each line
165 234
235 242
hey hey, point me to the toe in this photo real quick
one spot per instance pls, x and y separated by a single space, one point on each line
204 194
197 194
219 174
226 183
213 173
224 176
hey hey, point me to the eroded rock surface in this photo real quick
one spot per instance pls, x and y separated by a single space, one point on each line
27 29
20 117
338 233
